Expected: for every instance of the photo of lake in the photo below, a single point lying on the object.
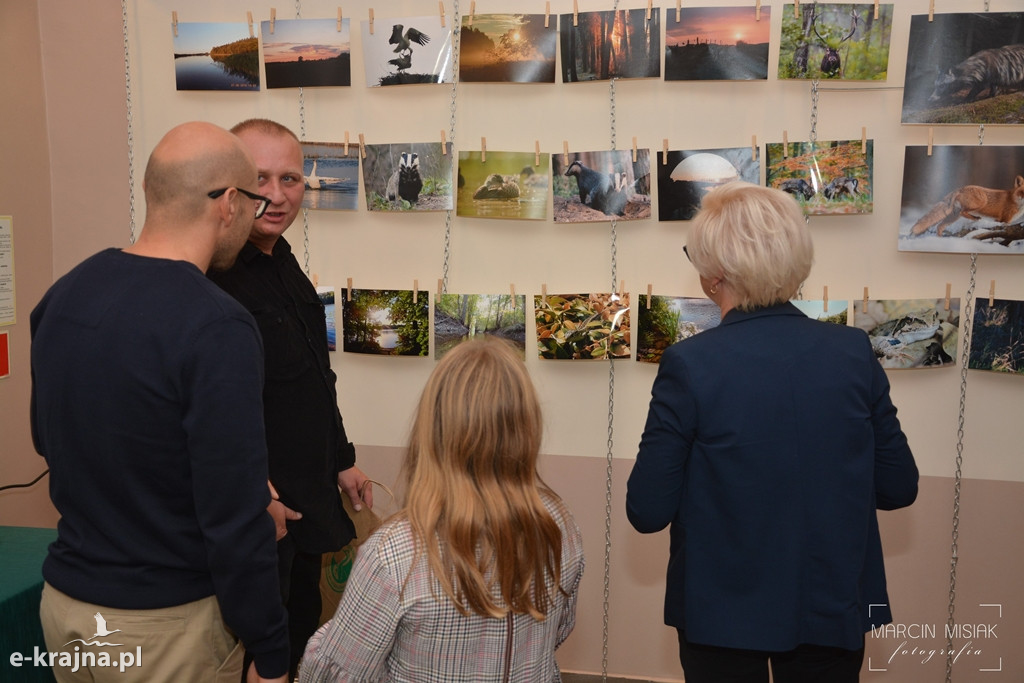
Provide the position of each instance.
(386, 322)
(216, 56)
(332, 178)
(306, 52)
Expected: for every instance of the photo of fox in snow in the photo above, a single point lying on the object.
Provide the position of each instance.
(965, 68)
(963, 199)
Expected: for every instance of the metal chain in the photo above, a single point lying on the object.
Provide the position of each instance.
(131, 135)
(965, 315)
(981, 134)
(456, 42)
(814, 111)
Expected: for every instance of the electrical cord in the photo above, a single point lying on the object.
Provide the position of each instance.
(25, 486)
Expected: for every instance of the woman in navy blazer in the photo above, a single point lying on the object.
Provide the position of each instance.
(770, 443)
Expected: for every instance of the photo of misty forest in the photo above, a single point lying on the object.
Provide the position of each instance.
(614, 44)
(965, 68)
(216, 56)
(386, 322)
(582, 326)
(718, 44)
(828, 178)
(503, 185)
(669, 319)
(997, 336)
(599, 186)
(460, 317)
(963, 199)
(301, 53)
(507, 48)
(911, 333)
(838, 41)
(414, 176)
(407, 50)
(685, 176)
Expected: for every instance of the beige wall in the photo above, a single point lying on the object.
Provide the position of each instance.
(64, 177)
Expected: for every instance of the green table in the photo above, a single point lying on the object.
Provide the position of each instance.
(22, 550)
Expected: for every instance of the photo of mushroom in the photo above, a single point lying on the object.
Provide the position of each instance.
(685, 176)
(582, 326)
(300, 53)
(503, 185)
(911, 333)
(825, 311)
(216, 56)
(460, 317)
(386, 322)
(507, 48)
(965, 68)
(407, 50)
(963, 199)
(664, 320)
(600, 186)
(997, 336)
(600, 46)
(718, 44)
(332, 177)
(835, 41)
(413, 176)
(828, 178)
(326, 295)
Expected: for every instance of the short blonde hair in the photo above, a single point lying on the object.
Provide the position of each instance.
(756, 239)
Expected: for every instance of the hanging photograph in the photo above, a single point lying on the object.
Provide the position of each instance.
(685, 176)
(582, 326)
(507, 48)
(414, 176)
(963, 199)
(668, 319)
(460, 317)
(965, 68)
(503, 185)
(599, 186)
(997, 336)
(717, 44)
(407, 50)
(326, 295)
(332, 177)
(835, 41)
(386, 322)
(216, 56)
(833, 312)
(299, 53)
(829, 178)
(600, 46)
(911, 333)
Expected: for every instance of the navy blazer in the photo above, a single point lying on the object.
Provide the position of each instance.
(770, 442)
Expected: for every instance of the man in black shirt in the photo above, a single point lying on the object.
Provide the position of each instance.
(310, 454)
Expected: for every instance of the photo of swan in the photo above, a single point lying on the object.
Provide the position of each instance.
(332, 177)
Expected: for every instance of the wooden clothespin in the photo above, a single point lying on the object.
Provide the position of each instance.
(650, 291)
(483, 150)
(949, 287)
(174, 23)
(864, 303)
(679, 10)
(371, 21)
(824, 299)
(757, 11)
(575, 13)
(348, 290)
(931, 136)
(544, 293)
(316, 280)
(536, 152)
(339, 19)
(512, 291)
(753, 148)
(992, 294)
(440, 286)
(785, 144)
(876, 10)
(634, 149)
(796, 8)
(440, 7)
(472, 11)
(664, 151)
(273, 19)
(444, 144)
(863, 139)
(931, 10)
(648, 15)
(346, 143)
(415, 291)
(248, 16)
(547, 14)
(565, 151)
(362, 146)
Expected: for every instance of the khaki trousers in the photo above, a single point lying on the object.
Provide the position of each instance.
(182, 643)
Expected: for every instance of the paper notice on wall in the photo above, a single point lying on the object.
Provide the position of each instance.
(7, 315)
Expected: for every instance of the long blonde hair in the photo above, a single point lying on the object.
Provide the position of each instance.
(473, 493)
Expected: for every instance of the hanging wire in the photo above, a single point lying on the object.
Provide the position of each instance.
(814, 111)
(131, 135)
(456, 42)
(981, 134)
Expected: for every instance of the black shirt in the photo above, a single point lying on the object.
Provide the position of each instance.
(306, 438)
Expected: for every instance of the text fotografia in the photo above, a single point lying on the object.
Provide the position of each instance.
(917, 641)
(77, 660)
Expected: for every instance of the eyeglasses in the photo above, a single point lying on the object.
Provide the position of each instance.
(262, 203)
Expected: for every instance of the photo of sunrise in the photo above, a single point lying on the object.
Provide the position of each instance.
(306, 52)
(718, 44)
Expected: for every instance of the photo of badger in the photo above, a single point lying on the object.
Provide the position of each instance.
(965, 68)
(601, 186)
(828, 178)
(412, 176)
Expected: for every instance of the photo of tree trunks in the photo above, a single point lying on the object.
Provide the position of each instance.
(613, 44)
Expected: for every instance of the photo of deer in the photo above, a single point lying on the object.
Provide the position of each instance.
(835, 41)
(965, 68)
